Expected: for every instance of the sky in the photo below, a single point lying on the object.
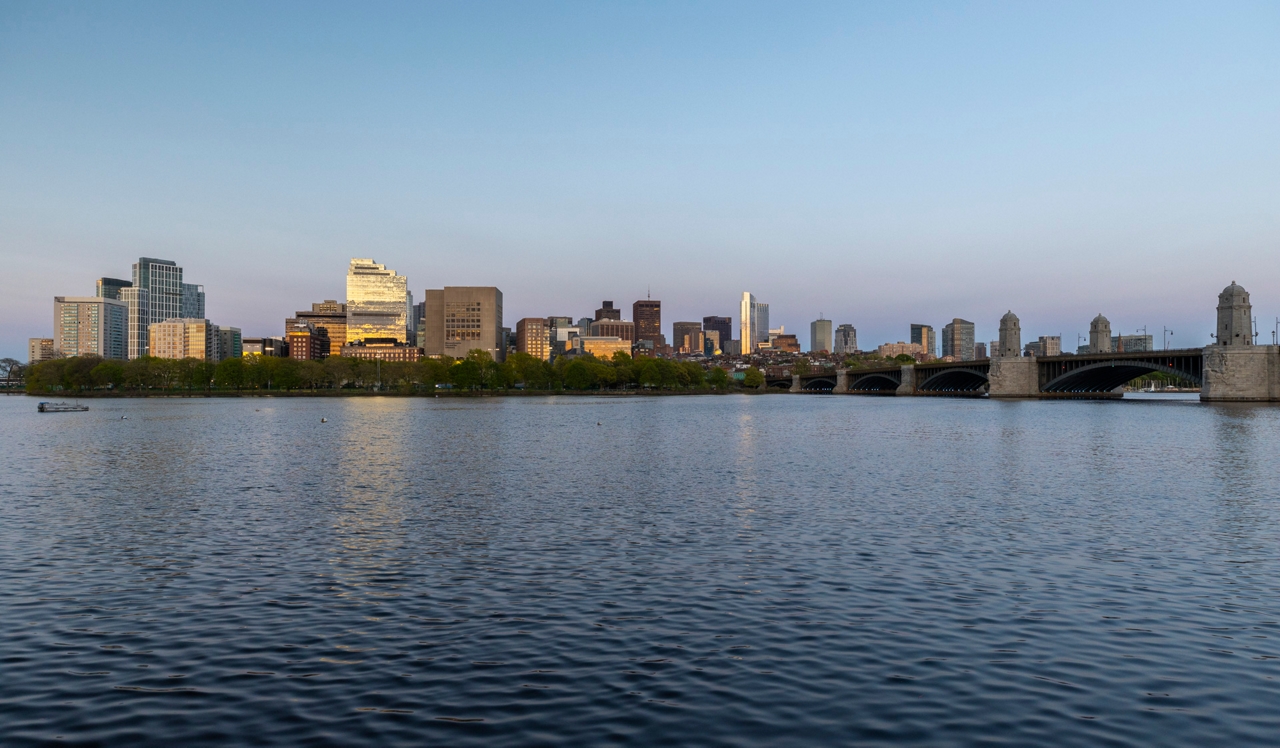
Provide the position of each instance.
(877, 164)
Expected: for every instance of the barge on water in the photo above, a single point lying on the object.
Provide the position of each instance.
(61, 407)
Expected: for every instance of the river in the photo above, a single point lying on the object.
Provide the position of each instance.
(716, 571)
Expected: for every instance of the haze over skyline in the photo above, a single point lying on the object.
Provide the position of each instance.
(878, 165)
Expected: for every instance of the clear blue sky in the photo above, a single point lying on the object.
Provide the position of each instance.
(881, 164)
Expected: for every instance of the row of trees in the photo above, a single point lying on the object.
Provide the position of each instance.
(478, 371)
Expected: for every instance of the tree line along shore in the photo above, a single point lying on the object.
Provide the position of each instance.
(477, 373)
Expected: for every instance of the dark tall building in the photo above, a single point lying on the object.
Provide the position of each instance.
(606, 311)
(647, 314)
(722, 325)
(685, 337)
(110, 288)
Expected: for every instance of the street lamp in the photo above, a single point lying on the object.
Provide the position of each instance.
(1165, 337)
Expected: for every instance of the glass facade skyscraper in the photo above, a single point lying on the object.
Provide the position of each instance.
(162, 280)
(378, 302)
(753, 320)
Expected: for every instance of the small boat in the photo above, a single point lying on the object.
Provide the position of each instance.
(61, 407)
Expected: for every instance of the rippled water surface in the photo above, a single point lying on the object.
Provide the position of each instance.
(736, 570)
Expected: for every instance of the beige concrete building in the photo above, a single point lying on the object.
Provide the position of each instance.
(461, 319)
(184, 338)
(40, 349)
(889, 350)
(90, 326)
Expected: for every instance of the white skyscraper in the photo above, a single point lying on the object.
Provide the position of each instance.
(753, 319)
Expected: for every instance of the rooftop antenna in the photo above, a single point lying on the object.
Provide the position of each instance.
(648, 293)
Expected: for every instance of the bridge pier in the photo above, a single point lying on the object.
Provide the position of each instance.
(908, 386)
(1241, 373)
(795, 383)
(842, 382)
(1014, 377)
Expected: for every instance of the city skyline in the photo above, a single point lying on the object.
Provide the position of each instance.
(928, 162)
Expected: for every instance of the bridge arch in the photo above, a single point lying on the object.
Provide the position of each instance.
(818, 384)
(1105, 376)
(878, 382)
(954, 380)
(780, 384)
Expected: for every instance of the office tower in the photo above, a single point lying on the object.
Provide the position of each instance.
(602, 347)
(926, 338)
(613, 328)
(230, 343)
(820, 336)
(162, 280)
(979, 351)
(109, 288)
(1010, 345)
(1131, 343)
(558, 334)
(753, 321)
(1100, 335)
(846, 340)
(193, 301)
(533, 336)
(1031, 349)
(90, 326)
(416, 320)
(307, 342)
(265, 347)
(723, 326)
(461, 319)
(1050, 345)
(711, 342)
(138, 321)
(957, 340)
(184, 338)
(40, 349)
(607, 311)
(686, 337)
(785, 343)
(647, 315)
(378, 302)
(330, 315)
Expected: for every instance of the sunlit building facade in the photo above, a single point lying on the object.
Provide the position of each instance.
(533, 336)
(753, 321)
(185, 338)
(379, 304)
(328, 314)
(90, 326)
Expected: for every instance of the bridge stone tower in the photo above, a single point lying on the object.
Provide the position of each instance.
(1100, 335)
(1012, 374)
(1234, 368)
(1010, 336)
(1235, 316)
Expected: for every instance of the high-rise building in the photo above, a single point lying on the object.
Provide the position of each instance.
(1235, 317)
(1010, 345)
(647, 315)
(926, 338)
(722, 326)
(686, 337)
(461, 319)
(607, 311)
(193, 301)
(162, 280)
(40, 349)
(785, 343)
(90, 326)
(308, 343)
(613, 328)
(846, 340)
(230, 343)
(1050, 345)
(138, 302)
(330, 315)
(979, 351)
(558, 330)
(957, 340)
(533, 336)
(753, 321)
(184, 338)
(820, 336)
(711, 342)
(109, 288)
(378, 302)
(1100, 335)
